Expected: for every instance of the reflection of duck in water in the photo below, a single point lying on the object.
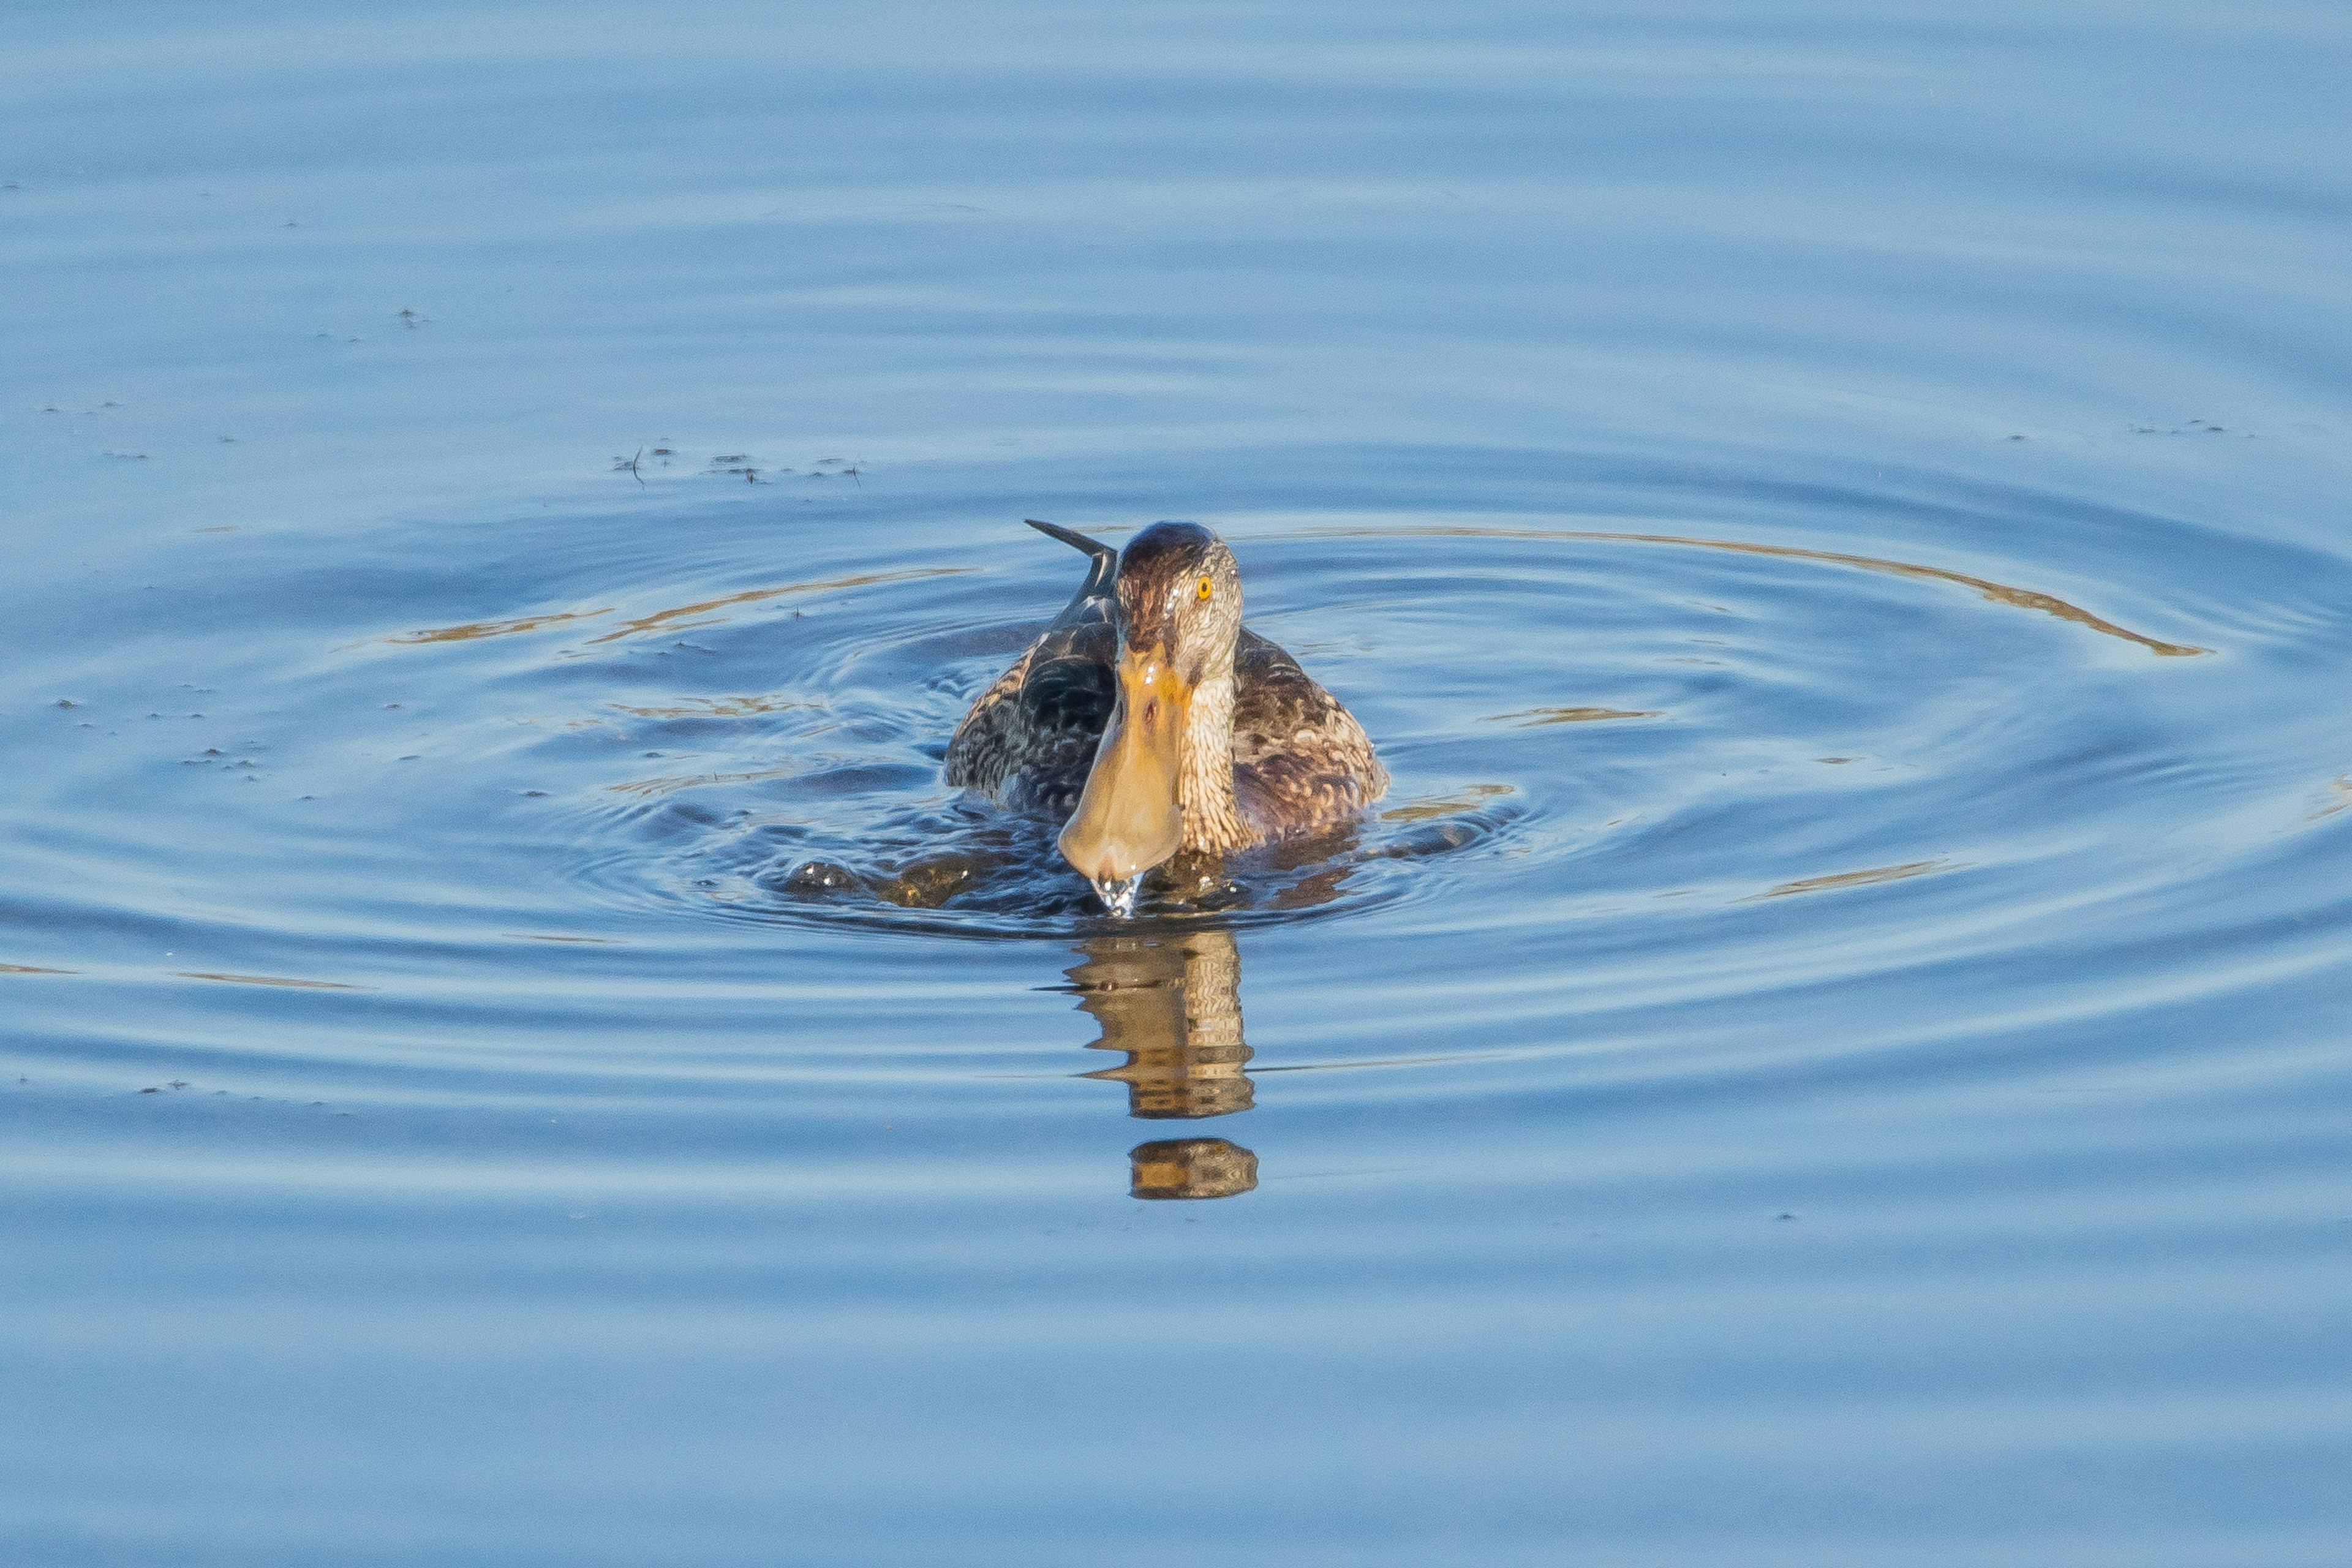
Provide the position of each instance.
(1174, 1006)
(1157, 722)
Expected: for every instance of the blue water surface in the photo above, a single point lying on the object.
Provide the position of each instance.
(1832, 1051)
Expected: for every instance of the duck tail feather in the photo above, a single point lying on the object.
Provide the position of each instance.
(1102, 553)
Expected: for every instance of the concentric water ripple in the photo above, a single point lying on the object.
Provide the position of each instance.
(1645, 727)
(1831, 1052)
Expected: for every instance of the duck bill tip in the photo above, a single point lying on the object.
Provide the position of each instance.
(1128, 817)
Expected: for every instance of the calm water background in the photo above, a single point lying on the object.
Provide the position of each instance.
(1833, 1054)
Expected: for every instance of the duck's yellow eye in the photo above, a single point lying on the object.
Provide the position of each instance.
(1208, 586)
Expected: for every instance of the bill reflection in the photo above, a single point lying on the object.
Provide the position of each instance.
(1172, 1006)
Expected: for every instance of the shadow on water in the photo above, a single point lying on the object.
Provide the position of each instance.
(1171, 1005)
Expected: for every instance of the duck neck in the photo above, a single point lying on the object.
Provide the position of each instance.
(1204, 785)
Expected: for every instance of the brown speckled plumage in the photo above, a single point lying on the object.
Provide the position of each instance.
(1029, 738)
(1267, 753)
(1299, 756)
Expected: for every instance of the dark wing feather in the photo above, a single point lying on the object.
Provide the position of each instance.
(1031, 737)
(1300, 760)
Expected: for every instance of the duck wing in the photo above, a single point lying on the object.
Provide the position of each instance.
(1300, 760)
(1031, 737)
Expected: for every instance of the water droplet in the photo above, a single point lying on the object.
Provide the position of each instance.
(1117, 894)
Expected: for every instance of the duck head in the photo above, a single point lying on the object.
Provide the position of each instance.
(1179, 612)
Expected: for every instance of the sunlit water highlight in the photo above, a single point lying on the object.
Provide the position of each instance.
(1830, 1051)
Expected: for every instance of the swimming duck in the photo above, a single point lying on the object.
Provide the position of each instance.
(1152, 719)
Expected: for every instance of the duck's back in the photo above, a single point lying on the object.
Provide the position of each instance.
(1030, 739)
